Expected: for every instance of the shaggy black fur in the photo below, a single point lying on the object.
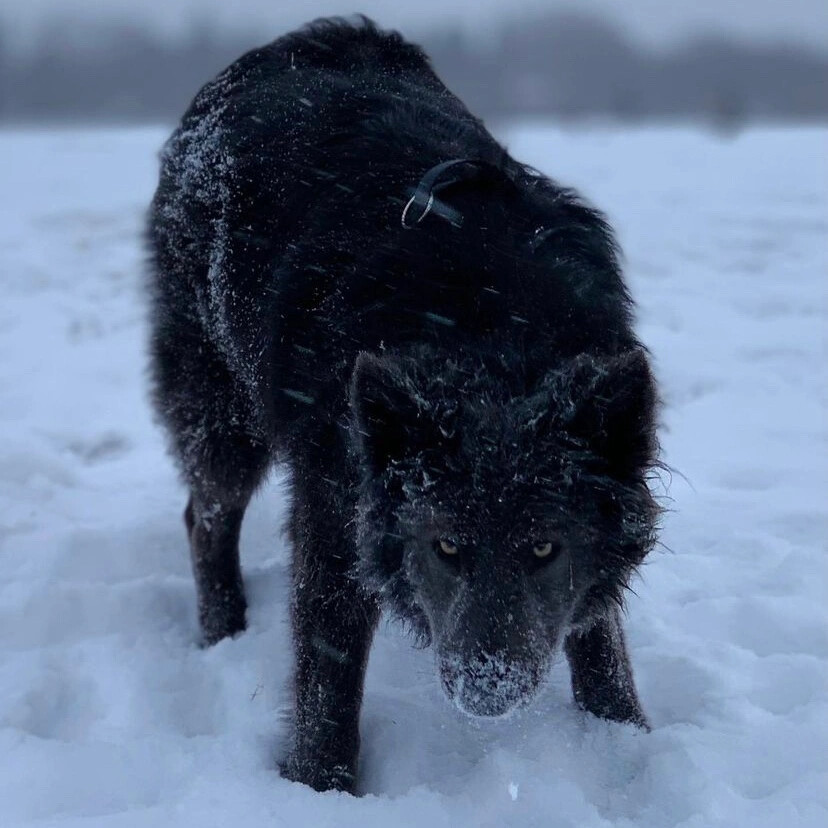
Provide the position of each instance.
(465, 411)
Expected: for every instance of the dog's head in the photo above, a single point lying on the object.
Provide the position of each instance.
(496, 520)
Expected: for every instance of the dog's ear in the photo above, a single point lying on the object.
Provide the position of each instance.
(615, 408)
(390, 419)
(609, 404)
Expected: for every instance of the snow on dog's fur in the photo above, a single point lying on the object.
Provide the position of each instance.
(442, 356)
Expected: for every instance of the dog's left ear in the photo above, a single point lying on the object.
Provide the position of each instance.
(609, 404)
(615, 410)
(390, 419)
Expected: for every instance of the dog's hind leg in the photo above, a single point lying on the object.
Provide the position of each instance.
(213, 518)
(223, 457)
(602, 677)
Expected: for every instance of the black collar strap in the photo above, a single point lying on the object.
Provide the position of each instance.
(424, 197)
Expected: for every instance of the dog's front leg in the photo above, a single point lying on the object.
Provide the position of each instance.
(333, 624)
(602, 677)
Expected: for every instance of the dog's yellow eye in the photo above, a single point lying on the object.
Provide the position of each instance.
(447, 547)
(542, 550)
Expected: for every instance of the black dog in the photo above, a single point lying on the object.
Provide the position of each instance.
(350, 276)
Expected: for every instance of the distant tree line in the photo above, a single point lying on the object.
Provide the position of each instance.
(562, 65)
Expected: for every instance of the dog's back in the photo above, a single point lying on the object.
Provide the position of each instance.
(276, 226)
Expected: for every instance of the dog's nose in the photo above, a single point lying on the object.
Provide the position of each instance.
(491, 685)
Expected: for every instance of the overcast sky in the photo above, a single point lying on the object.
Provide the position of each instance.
(656, 22)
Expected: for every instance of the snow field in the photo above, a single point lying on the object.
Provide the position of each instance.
(110, 715)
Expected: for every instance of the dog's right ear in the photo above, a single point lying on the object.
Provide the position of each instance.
(390, 420)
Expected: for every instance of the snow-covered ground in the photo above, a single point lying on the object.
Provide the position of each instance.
(110, 715)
